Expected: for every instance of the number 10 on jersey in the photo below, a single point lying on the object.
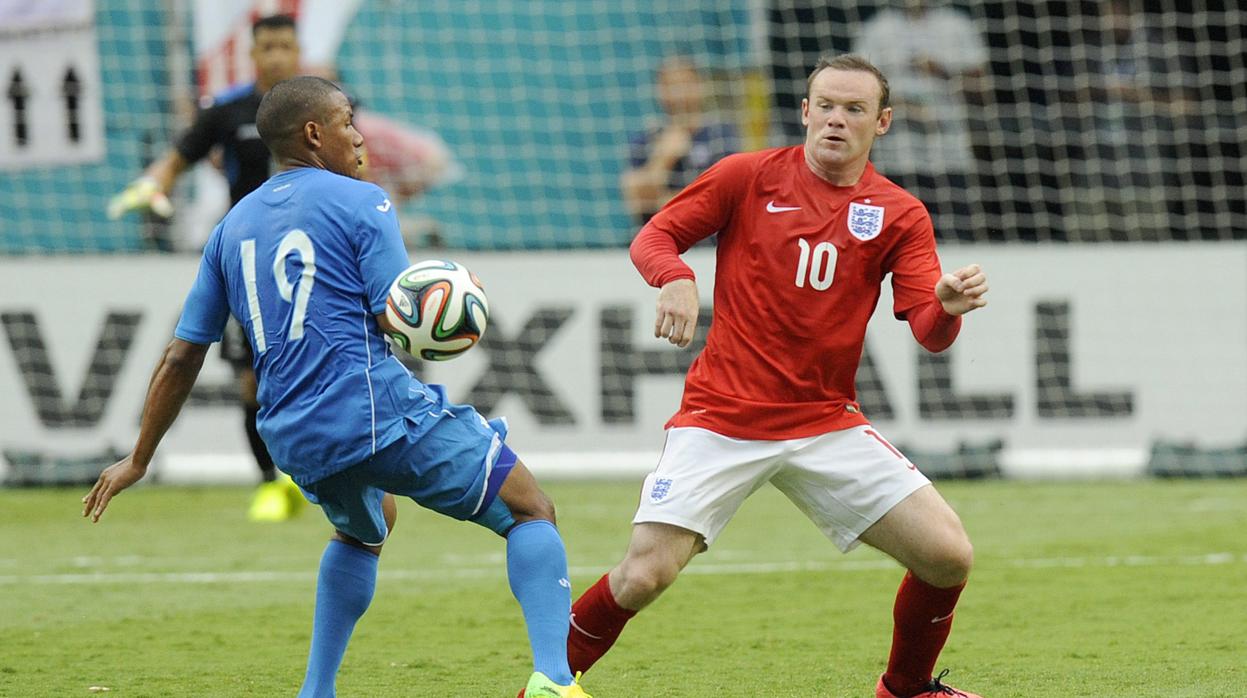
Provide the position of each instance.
(819, 266)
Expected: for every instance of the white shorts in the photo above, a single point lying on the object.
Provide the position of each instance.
(843, 480)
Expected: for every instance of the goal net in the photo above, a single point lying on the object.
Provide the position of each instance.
(1111, 131)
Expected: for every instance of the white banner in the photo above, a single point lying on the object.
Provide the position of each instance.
(1081, 347)
(50, 101)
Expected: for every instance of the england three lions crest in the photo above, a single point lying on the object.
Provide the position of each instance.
(662, 487)
(865, 221)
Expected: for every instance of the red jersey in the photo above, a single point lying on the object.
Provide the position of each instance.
(798, 272)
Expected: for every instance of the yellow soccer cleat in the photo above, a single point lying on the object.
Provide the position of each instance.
(270, 503)
(294, 494)
(140, 195)
(542, 686)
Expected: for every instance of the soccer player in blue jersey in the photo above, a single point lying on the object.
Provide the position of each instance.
(228, 122)
(304, 263)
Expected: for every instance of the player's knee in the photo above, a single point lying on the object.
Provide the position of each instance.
(961, 559)
(647, 577)
(545, 508)
(953, 556)
(951, 565)
(539, 506)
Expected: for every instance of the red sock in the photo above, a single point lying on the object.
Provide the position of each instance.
(597, 620)
(923, 617)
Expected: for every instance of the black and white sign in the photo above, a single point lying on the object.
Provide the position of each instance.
(1091, 350)
(50, 96)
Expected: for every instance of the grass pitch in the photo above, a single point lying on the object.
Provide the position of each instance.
(1104, 589)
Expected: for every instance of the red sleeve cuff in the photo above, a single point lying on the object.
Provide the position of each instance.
(934, 329)
(657, 256)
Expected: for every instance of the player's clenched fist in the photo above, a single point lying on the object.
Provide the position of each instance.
(142, 194)
(677, 312)
(962, 290)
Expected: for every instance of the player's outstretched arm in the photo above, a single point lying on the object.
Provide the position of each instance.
(150, 191)
(678, 306)
(171, 383)
(962, 290)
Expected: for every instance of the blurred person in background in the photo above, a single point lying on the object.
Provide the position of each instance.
(407, 161)
(669, 155)
(935, 60)
(403, 159)
(773, 400)
(1139, 89)
(228, 121)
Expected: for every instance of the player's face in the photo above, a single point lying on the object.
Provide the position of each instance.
(680, 90)
(842, 119)
(275, 53)
(341, 147)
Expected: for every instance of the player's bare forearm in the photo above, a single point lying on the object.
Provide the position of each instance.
(962, 291)
(645, 191)
(166, 170)
(638, 192)
(171, 384)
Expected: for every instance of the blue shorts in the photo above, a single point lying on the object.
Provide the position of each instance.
(454, 467)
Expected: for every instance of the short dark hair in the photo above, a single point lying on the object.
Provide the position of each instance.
(850, 61)
(677, 61)
(272, 22)
(290, 104)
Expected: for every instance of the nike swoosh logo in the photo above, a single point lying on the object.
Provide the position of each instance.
(941, 619)
(772, 208)
(581, 630)
(384, 207)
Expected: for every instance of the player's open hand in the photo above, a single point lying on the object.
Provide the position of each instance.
(114, 479)
(677, 312)
(962, 291)
(140, 195)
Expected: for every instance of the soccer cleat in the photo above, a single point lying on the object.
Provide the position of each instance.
(294, 494)
(272, 501)
(934, 689)
(542, 686)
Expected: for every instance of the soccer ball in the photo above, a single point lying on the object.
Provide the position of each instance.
(438, 309)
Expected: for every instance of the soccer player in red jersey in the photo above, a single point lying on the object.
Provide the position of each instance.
(806, 236)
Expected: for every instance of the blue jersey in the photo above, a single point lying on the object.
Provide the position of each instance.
(305, 263)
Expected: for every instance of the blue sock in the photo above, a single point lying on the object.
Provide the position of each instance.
(348, 576)
(537, 570)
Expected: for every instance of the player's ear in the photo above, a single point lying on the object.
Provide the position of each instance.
(312, 135)
(885, 121)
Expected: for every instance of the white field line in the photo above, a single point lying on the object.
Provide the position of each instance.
(698, 568)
